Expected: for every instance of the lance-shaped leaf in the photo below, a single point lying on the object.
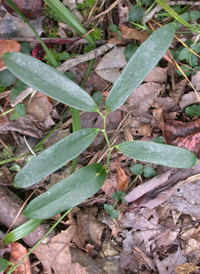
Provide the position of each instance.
(55, 157)
(21, 231)
(68, 193)
(48, 81)
(158, 154)
(140, 65)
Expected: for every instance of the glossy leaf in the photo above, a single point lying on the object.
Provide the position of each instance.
(55, 157)
(21, 231)
(140, 65)
(48, 81)
(4, 264)
(193, 110)
(68, 193)
(158, 154)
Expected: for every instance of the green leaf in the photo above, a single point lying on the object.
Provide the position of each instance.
(149, 172)
(193, 110)
(98, 97)
(159, 140)
(6, 78)
(21, 231)
(112, 212)
(129, 51)
(137, 169)
(55, 157)
(136, 13)
(140, 65)
(184, 53)
(158, 154)
(48, 81)
(113, 27)
(20, 109)
(68, 193)
(119, 196)
(4, 264)
(194, 14)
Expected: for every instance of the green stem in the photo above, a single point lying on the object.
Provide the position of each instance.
(31, 250)
(108, 159)
(76, 120)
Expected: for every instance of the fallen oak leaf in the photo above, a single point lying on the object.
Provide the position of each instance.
(122, 180)
(185, 135)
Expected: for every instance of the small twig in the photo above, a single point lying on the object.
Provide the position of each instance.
(29, 146)
(103, 12)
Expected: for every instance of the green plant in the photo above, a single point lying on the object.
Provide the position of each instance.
(86, 6)
(75, 188)
(6, 152)
(147, 171)
(85, 182)
(115, 29)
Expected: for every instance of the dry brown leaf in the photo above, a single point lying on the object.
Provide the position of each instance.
(188, 99)
(178, 91)
(31, 9)
(136, 101)
(185, 135)
(122, 179)
(130, 33)
(144, 188)
(56, 254)
(17, 254)
(158, 75)
(186, 268)
(196, 81)
(38, 106)
(24, 126)
(7, 46)
(90, 227)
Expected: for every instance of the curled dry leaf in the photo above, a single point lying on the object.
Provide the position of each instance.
(122, 180)
(7, 46)
(31, 9)
(185, 135)
(178, 91)
(16, 255)
(130, 33)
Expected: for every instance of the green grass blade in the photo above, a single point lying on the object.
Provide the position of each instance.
(160, 154)
(55, 157)
(21, 231)
(52, 59)
(68, 193)
(67, 17)
(140, 65)
(176, 16)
